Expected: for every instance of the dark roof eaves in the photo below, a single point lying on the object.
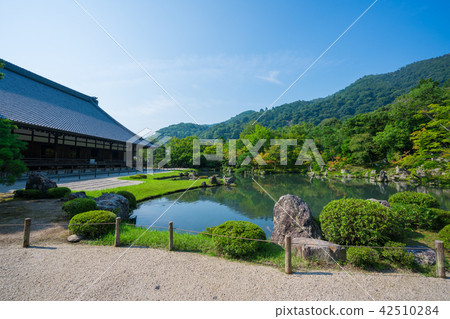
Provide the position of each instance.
(35, 77)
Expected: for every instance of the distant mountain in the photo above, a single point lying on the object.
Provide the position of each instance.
(364, 95)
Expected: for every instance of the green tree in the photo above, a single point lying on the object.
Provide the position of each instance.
(11, 165)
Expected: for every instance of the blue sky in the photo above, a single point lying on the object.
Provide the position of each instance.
(217, 58)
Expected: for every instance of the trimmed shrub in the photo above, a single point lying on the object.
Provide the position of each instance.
(82, 224)
(413, 216)
(358, 222)
(363, 257)
(131, 198)
(420, 199)
(139, 176)
(58, 192)
(78, 206)
(399, 257)
(32, 194)
(18, 193)
(444, 235)
(237, 247)
(442, 218)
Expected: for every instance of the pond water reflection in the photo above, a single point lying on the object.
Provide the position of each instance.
(201, 208)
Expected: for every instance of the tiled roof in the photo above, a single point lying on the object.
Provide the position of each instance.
(26, 97)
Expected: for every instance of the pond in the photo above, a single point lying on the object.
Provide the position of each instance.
(201, 208)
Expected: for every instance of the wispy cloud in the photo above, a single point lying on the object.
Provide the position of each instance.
(271, 77)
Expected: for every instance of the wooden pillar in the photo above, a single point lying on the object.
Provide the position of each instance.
(170, 236)
(26, 233)
(117, 235)
(287, 255)
(440, 259)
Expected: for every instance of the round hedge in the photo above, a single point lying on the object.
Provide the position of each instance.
(78, 206)
(420, 199)
(358, 222)
(399, 257)
(444, 235)
(363, 257)
(414, 216)
(237, 247)
(131, 198)
(32, 194)
(82, 224)
(442, 218)
(58, 192)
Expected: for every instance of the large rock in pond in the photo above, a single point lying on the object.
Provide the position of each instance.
(291, 216)
(114, 203)
(317, 249)
(39, 181)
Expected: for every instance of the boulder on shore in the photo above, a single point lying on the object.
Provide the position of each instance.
(291, 216)
(385, 203)
(317, 249)
(213, 180)
(228, 180)
(77, 195)
(423, 256)
(40, 182)
(114, 203)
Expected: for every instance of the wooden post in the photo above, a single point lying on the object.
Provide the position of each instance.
(440, 259)
(26, 233)
(170, 236)
(117, 235)
(287, 255)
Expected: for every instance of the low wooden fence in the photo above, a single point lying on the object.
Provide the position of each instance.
(439, 245)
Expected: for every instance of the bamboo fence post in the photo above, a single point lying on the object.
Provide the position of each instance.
(26, 232)
(170, 236)
(117, 235)
(287, 255)
(440, 259)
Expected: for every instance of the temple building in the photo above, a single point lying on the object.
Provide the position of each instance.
(64, 129)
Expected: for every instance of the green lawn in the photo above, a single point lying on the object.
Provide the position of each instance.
(270, 254)
(151, 187)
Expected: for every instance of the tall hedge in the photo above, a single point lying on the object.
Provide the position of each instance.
(358, 222)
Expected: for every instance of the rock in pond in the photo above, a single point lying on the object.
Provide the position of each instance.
(114, 203)
(291, 216)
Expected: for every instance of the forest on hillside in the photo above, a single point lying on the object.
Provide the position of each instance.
(413, 131)
(364, 95)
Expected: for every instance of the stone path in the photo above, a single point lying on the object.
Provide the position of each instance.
(97, 184)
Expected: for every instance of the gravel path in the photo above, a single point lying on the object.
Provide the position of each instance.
(64, 272)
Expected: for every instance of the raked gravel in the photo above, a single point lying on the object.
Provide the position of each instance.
(70, 272)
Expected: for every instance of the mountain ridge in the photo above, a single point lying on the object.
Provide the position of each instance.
(366, 94)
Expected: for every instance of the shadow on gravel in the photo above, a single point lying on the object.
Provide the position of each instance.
(314, 273)
(41, 247)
